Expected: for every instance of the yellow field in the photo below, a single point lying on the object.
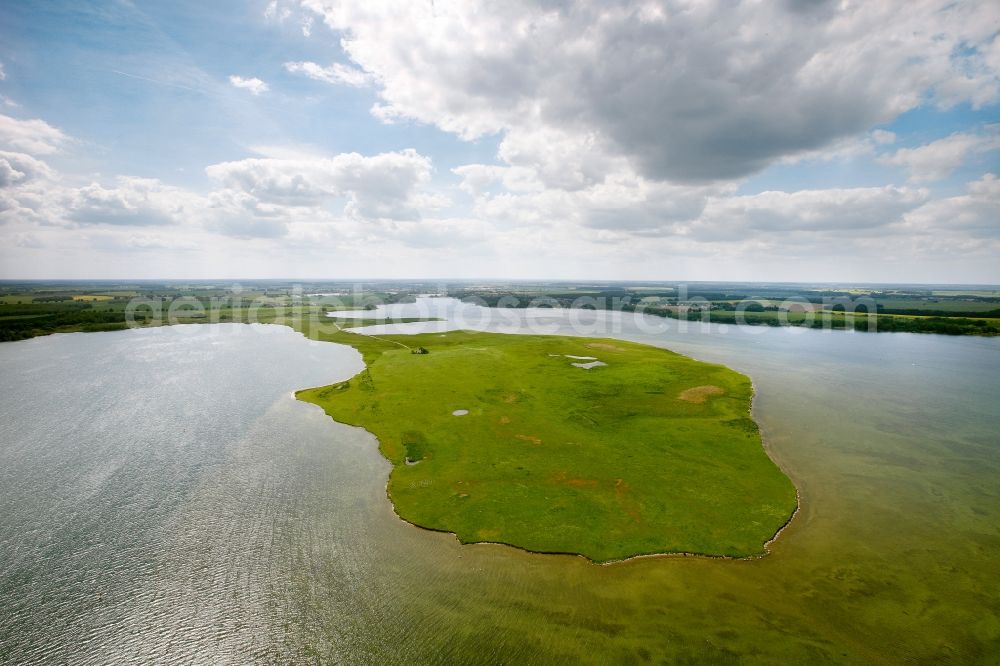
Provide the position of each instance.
(92, 297)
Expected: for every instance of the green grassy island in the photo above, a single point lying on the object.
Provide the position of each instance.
(597, 447)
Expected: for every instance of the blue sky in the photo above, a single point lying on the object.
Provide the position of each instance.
(648, 140)
(149, 84)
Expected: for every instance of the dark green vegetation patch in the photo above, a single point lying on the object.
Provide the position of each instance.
(651, 453)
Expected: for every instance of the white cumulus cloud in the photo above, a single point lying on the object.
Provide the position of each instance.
(977, 212)
(131, 201)
(835, 212)
(18, 169)
(387, 186)
(938, 159)
(254, 85)
(685, 91)
(35, 136)
(336, 73)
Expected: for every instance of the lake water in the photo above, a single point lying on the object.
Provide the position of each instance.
(163, 498)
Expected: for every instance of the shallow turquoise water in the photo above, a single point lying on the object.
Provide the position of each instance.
(164, 499)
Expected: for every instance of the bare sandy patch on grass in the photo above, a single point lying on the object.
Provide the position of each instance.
(604, 345)
(564, 479)
(700, 394)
